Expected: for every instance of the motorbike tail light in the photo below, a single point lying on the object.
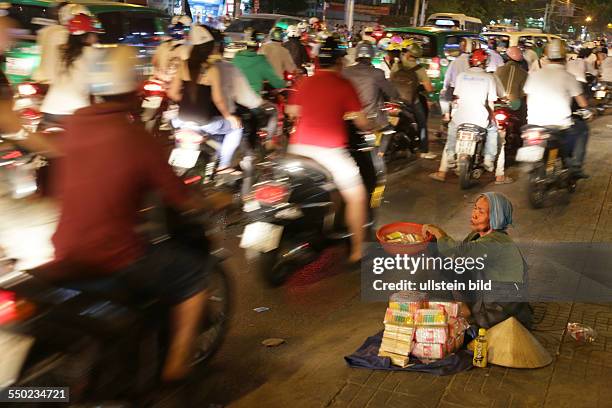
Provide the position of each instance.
(501, 118)
(392, 108)
(433, 71)
(271, 193)
(289, 76)
(30, 114)
(192, 180)
(13, 309)
(15, 154)
(27, 89)
(534, 137)
(153, 88)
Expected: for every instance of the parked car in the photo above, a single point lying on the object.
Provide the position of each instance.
(122, 23)
(440, 47)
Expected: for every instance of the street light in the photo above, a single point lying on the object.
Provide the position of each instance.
(588, 19)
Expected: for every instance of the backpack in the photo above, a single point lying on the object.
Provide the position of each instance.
(407, 82)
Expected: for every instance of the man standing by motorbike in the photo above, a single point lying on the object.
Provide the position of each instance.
(278, 56)
(296, 48)
(408, 76)
(476, 93)
(550, 92)
(371, 84)
(322, 103)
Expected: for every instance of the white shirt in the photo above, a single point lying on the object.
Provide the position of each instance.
(549, 96)
(532, 59)
(605, 70)
(495, 61)
(459, 65)
(49, 39)
(70, 88)
(578, 68)
(279, 57)
(474, 88)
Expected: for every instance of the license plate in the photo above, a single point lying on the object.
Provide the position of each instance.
(600, 94)
(394, 120)
(530, 154)
(261, 236)
(465, 147)
(466, 135)
(185, 158)
(14, 349)
(152, 102)
(19, 66)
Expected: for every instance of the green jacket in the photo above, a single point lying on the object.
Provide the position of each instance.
(257, 69)
(503, 261)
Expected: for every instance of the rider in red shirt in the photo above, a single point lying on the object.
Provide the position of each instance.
(322, 103)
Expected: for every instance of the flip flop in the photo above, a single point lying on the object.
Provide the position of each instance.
(435, 176)
(506, 180)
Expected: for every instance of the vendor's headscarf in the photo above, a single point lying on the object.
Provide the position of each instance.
(500, 211)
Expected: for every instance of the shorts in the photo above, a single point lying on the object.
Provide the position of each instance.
(169, 272)
(337, 160)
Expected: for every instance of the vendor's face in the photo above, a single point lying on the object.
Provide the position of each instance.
(480, 216)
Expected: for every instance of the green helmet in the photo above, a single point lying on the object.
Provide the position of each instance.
(415, 50)
(277, 34)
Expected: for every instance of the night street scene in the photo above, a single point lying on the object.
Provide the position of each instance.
(306, 203)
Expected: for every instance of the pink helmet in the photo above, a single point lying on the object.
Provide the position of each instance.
(514, 53)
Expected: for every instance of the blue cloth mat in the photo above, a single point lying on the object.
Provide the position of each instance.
(367, 357)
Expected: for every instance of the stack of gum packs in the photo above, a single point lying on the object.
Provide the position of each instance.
(439, 330)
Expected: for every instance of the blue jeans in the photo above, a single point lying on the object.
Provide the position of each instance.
(576, 138)
(231, 139)
(490, 148)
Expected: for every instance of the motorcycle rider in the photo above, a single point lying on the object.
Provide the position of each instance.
(69, 90)
(118, 160)
(550, 92)
(296, 48)
(605, 68)
(457, 66)
(322, 102)
(278, 56)
(256, 67)
(476, 92)
(495, 60)
(49, 39)
(408, 76)
(197, 89)
(167, 57)
(371, 84)
(531, 57)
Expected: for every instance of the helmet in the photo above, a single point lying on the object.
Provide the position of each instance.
(406, 43)
(113, 71)
(478, 57)
(384, 43)
(555, 50)
(368, 30)
(365, 50)
(184, 20)
(200, 35)
(293, 31)
(276, 34)
(394, 47)
(415, 50)
(514, 53)
(330, 52)
(528, 43)
(67, 12)
(176, 31)
(313, 20)
(83, 24)
(302, 26)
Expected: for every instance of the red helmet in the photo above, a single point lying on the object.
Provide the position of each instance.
(82, 24)
(478, 57)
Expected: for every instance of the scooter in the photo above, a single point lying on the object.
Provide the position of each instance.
(297, 212)
(509, 128)
(402, 136)
(602, 94)
(93, 337)
(470, 153)
(546, 154)
(157, 109)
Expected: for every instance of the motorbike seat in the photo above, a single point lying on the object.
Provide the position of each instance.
(473, 127)
(310, 164)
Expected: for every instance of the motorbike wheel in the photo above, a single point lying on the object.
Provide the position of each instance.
(275, 268)
(537, 191)
(465, 165)
(216, 319)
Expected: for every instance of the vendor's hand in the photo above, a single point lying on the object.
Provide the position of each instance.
(430, 230)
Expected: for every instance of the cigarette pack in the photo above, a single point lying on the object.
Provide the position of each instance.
(396, 346)
(408, 301)
(430, 351)
(432, 334)
(452, 309)
(434, 317)
(398, 317)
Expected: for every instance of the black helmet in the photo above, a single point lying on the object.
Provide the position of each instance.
(330, 52)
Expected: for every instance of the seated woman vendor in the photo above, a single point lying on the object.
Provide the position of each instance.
(504, 264)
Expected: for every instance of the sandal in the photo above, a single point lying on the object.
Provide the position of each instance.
(506, 180)
(437, 177)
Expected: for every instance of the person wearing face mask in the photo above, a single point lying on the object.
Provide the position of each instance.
(504, 264)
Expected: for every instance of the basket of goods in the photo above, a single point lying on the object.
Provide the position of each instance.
(402, 238)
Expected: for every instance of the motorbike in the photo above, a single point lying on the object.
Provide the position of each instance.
(27, 101)
(157, 109)
(402, 136)
(470, 153)
(602, 94)
(95, 338)
(296, 211)
(545, 153)
(19, 170)
(509, 128)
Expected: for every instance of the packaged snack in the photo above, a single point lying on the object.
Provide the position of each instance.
(456, 326)
(432, 334)
(431, 317)
(408, 301)
(430, 351)
(399, 317)
(399, 332)
(396, 359)
(452, 309)
(396, 346)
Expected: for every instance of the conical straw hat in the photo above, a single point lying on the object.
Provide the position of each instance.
(512, 345)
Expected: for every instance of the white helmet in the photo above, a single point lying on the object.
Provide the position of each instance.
(66, 13)
(200, 35)
(293, 31)
(184, 20)
(313, 20)
(114, 71)
(302, 26)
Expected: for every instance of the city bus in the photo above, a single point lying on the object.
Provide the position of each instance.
(454, 21)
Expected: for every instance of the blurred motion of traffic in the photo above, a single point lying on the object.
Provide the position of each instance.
(189, 191)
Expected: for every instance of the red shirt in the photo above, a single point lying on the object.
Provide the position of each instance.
(324, 99)
(109, 166)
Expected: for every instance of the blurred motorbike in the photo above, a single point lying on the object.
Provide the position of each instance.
(509, 128)
(470, 153)
(157, 109)
(602, 95)
(401, 139)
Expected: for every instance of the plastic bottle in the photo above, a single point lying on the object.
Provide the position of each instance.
(480, 349)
